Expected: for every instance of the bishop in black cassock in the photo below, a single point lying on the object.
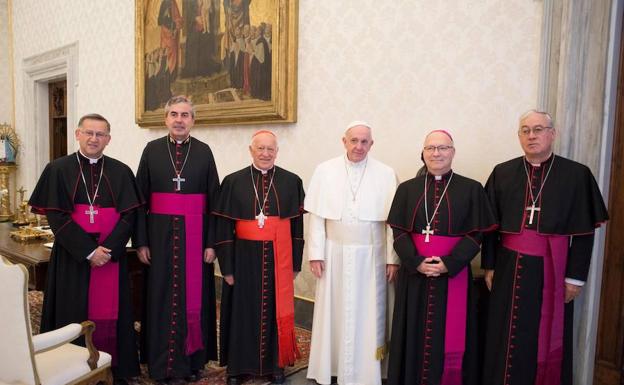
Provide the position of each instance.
(90, 201)
(548, 207)
(259, 245)
(178, 177)
(437, 219)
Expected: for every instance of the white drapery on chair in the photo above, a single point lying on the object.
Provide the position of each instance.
(47, 358)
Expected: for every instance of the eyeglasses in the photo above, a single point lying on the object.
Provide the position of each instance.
(537, 130)
(98, 135)
(442, 149)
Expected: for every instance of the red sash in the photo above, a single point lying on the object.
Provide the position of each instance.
(103, 302)
(193, 208)
(554, 250)
(278, 231)
(456, 306)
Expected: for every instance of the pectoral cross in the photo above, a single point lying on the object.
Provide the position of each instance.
(533, 209)
(91, 213)
(427, 231)
(178, 180)
(261, 217)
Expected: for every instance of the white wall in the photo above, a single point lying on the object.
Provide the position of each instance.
(6, 92)
(405, 66)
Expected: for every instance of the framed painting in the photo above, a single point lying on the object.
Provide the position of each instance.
(236, 59)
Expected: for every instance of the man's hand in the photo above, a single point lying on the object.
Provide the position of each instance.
(209, 255)
(143, 252)
(432, 267)
(229, 279)
(489, 278)
(572, 291)
(100, 257)
(317, 267)
(391, 272)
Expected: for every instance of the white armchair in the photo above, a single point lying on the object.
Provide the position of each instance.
(47, 358)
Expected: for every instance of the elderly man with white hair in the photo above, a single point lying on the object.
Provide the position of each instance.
(350, 253)
(259, 242)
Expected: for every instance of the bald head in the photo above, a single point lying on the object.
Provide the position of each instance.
(438, 152)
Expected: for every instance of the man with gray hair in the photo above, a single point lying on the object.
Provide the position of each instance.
(260, 243)
(351, 255)
(91, 203)
(175, 239)
(548, 208)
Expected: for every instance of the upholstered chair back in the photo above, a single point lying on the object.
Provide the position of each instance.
(16, 350)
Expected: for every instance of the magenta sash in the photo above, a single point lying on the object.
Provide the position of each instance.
(103, 302)
(456, 306)
(554, 250)
(193, 208)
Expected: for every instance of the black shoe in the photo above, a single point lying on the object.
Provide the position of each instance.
(278, 378)
(233, 380)
(193, 377)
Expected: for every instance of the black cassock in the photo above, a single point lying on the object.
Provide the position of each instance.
(67, 288)
(571, 205)
(417, 350)
(164, 331)
(248, 323)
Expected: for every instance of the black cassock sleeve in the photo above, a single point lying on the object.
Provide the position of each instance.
(140, 238)
(406, 250)
(579, 256)
(463, 252)
(224, 244)
(210, 220)
(296, 231)
(118, 238)
(77, 242)
(490, 239)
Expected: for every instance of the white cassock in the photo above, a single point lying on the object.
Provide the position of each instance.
(351, 309)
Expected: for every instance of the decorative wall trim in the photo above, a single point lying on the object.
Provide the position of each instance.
(38, 71)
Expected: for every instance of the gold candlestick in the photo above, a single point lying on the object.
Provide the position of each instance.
(5, 200)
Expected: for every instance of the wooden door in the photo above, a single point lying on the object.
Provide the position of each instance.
(57, 96)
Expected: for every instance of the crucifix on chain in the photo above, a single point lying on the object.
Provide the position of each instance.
(427, 231)
(261, 217)
(91, 212)
(178, 180)
(532, 209)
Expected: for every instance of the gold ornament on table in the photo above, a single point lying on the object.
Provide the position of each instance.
(27, 233)
(22, 216)
(5, 194)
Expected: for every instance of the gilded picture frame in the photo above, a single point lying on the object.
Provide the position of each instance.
(236, 59)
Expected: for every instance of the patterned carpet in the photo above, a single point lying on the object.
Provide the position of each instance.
(212, 374)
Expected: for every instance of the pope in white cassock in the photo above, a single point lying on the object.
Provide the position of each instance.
(350, 252)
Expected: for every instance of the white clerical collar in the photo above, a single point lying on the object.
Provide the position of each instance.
(261, 170)
(355, 164)
(174, 140)
(539, 164)
(91, 160)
